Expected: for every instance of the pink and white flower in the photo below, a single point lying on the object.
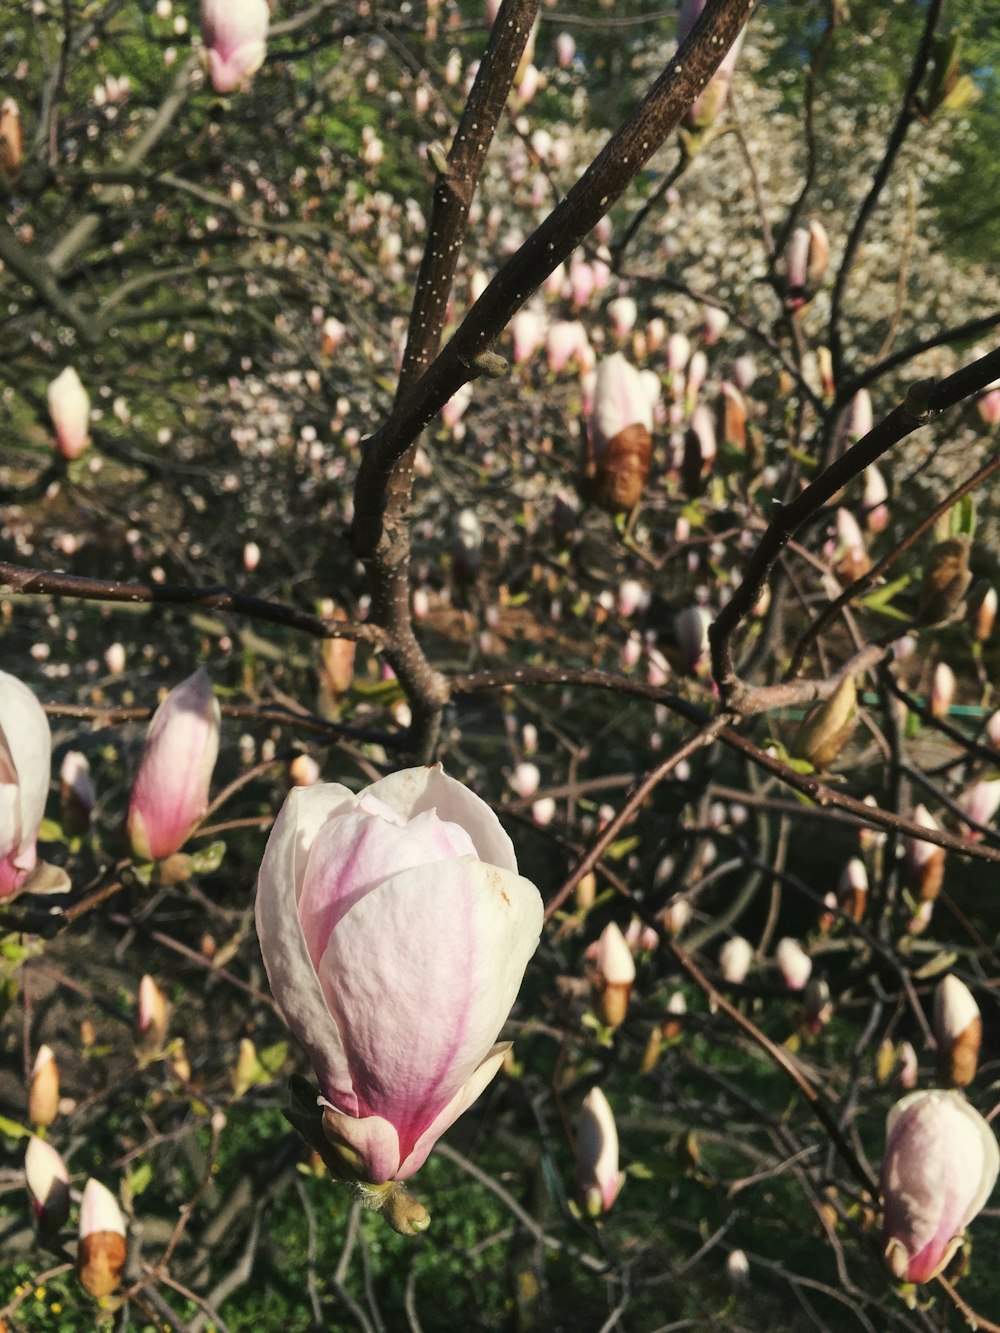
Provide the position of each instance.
(25, 763)
(395, 931)
(170, 792)
(941, 1163)
(598, 1179)
(235, 33)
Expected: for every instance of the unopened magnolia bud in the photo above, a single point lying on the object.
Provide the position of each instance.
(735, 958)
(852, 892)
(677, 1007)
(827, 729)
(336, 657)
(304, 771)
(179, 1062)
(982, 611)
(737, 1270)
(154, 1013)
(597, 1176)
(100, 1257)
(817, 1004)
(43, 1092)
(525, 780)
(958, 1028)
(614, 975)
(885, 1061)
(586, 891)
(676, 915)
(942, 690)
(48, 1184)
(793, 962)
(946, 581)
(405, 1213)
(76, 792)
(925, 860)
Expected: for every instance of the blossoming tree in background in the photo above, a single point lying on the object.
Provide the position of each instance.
(601, 406)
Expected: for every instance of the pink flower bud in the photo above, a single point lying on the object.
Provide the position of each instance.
(69, 408)
(525, 779)
(598, 1179)
(582, 283)
(623, 313)
(528, 331)
(852, 891)
(395, 931)
(676, 915)
(989, 406)
(235, 34)
(170, 792)
(980, 803)
(48, 1184)
(76, 791)
(543, 811)
(114, 658)
(793, 962)
(333, 334)
(712, 100)
(942, 690)
(941, 1163)
(735, 959)
(565, 49)
(251, 557)
(621, 399)
(614, 975)
(958, 1030)
(25, 762)
(714, 323)
(678, 352)
(909, 1066)
(993, 730)
(875, 497)
(565, 340)
(100, 1256)
(691, 627)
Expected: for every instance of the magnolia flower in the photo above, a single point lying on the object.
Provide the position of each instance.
(941, 1163)
(170, 792)
(235, 33)
(69, 408)
(100, 1256)
(25, 761)
(395, 931)
(598, 1179)
(614, 975)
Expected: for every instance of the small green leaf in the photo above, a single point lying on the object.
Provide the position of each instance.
(207, 859)
(12, 1130)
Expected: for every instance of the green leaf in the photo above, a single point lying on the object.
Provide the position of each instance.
(13, 1130)
(207, 859)
(139, 1179)
(273, 1057)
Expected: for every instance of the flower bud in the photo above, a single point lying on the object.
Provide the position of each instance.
(852, 891)
(980, 803)
(525, 780)
(100, 1256)
(983, 611)
(25, 750)
(735, 959)
(154, 1013)
(941, 1163)
(958, 1030)
(909, 1065)
(613, 976)
(676, 915)
(793, 962)
(677, 1007)
(818, 1006)
(597, 1176)
(691, 628)
(586, 892)
(945, 583)
(942, 690)
(76, 792)
(235, 34)
(43, 1091)
(829, 726)
(737, 1269)
(69, 408)
(924, 860)
(48, 1184)
(170, 792)
(304, 771)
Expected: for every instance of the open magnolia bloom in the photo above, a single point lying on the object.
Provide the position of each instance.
(395, 931)
(941, 1163)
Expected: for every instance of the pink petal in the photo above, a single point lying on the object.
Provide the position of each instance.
(355, 852)
(286, 957)
(419, 976)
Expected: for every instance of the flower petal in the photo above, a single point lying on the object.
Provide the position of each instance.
(290, 972)
(419, 977)
(481, 1078)
(413, 790)
(354, 853)
(373, 1139)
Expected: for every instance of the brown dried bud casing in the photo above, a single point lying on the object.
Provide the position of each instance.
(622, 469)
(100, 1260)
(336, 657)
(827, 729)
(959, 1068)
(946, 581)
(612, 1002)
